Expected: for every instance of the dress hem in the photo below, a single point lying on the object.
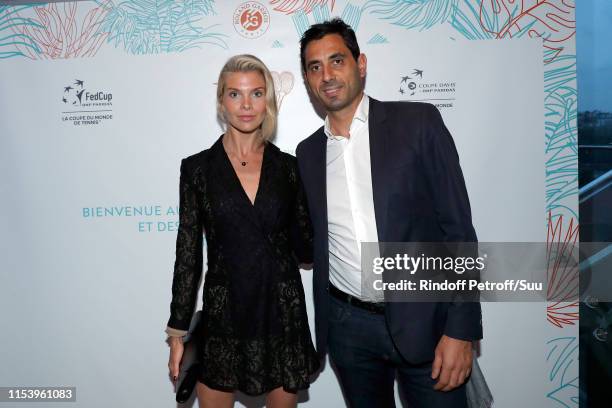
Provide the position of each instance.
(234, 389)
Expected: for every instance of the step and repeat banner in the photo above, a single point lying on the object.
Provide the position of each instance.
(100, 100)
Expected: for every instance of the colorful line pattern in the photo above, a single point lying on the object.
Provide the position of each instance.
(160, 26)
(351, 15)
(378, 39)
(561, 111)
(563, 285)
(554, 22)
(321, 13)
(56, 31)
(305, 6)
(551, 20)
(300, 22)
(562, 360)
(412, 14)
(12, 39)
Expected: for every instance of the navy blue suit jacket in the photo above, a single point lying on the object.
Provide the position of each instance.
(419, 196)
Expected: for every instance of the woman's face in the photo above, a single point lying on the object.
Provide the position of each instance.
(244, 100)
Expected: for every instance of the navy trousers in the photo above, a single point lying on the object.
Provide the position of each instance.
(366, 363)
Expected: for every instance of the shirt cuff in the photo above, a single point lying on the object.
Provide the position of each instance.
(171, 332)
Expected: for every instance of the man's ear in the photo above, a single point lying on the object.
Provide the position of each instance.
(362, 64)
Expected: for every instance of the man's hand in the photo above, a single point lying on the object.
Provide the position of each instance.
(452, 363)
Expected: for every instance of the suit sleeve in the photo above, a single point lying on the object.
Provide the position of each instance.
(453, 211)
(188, 262)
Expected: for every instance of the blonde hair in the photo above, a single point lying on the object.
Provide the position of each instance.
(250, 63)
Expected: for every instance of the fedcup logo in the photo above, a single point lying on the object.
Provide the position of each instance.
(73, 93)
(84, 107)
(251, 19)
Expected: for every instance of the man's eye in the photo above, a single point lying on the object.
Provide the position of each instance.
(314, 68)
(338, 61)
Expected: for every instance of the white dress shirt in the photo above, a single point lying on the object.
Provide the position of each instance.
(350, 202)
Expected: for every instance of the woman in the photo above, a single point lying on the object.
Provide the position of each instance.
(246, 196)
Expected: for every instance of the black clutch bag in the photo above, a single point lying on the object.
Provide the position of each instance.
(190, 365)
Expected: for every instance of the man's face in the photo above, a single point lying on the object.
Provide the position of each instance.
(333, 75)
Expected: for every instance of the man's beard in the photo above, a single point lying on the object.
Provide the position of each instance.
(336, 104)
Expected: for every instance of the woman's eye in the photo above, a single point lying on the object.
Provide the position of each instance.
(258, 94)
(233, 94)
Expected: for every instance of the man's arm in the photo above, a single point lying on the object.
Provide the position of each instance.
(453, 354)
(453, 211)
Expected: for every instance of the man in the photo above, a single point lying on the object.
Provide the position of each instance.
(387, 172)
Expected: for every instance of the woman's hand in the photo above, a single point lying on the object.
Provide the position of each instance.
(176, 355)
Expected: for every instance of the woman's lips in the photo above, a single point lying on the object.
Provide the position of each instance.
(246, 118)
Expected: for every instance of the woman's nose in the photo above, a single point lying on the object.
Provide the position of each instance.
(246, 103)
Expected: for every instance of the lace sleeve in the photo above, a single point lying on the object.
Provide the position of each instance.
(188, 263)
(302, 226)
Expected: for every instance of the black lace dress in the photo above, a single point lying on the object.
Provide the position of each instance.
(254, 334)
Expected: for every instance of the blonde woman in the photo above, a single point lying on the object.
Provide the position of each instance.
(246, 197)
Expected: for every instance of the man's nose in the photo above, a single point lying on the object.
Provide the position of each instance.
(327, 74)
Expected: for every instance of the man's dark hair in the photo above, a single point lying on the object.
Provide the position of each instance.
(334, 26)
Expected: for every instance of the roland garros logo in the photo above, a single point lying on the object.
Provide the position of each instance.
(251, 19)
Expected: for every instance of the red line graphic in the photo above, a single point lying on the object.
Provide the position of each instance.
(552, 20)
(291, 6)
(563, 274)
(60, 35)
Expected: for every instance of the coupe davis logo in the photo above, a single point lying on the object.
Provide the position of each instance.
(413, 87)
(407, 84)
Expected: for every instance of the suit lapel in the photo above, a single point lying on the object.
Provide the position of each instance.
(230, 183)
(319, 181)
(378, 130)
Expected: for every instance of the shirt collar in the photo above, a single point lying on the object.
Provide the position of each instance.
(361, 116)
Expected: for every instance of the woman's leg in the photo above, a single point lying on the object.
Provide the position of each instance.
(279, 398)
(209, 398)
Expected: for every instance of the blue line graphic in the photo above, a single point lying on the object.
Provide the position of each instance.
(562, 359)
(378, 39)
(321, 13)
(153, 27)
(561, 111)
(351, 15)
(10, 39)
(412, 14)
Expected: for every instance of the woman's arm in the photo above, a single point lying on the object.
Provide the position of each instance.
(188, 263)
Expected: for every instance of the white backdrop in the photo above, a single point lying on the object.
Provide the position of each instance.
(89, 208)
